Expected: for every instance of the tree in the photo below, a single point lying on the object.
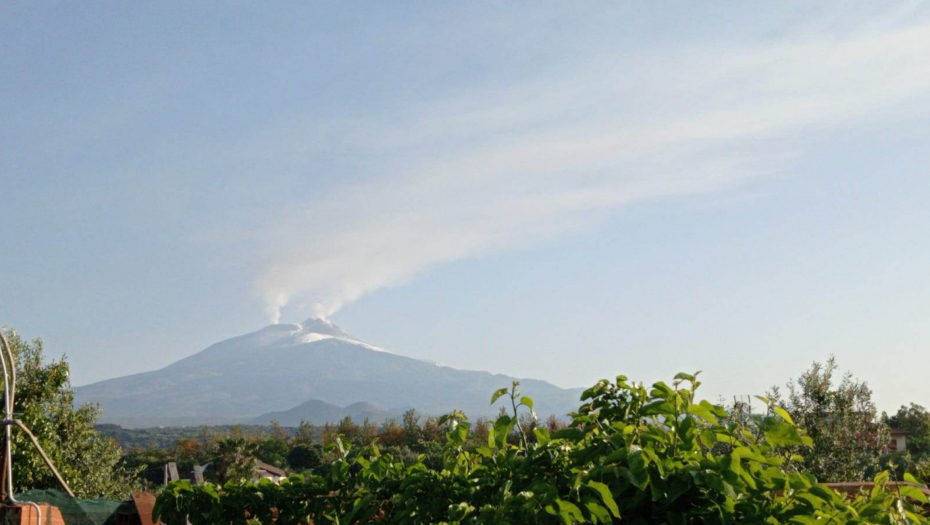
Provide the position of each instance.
(392, 435)
(554, 424)
(916, 421)
(411, 425)
(305, 457)
(306, 433)
(272, 448)
(480, 431)
(349, 430)
(189, 451)
(88, 461)
(848, 440)
(235, 459)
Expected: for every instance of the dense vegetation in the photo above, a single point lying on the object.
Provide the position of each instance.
(166, 438)
(88, 461)
(297, 449)
(631, 454)
(915, 420)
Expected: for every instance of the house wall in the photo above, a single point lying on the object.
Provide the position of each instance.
(898, 443)
(902, 443)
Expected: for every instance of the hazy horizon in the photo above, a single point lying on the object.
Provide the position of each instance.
(551, 191)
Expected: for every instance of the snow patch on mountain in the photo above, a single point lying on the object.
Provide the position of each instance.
(309, 331)
(312, 338)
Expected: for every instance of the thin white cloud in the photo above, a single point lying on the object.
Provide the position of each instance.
(506, 167)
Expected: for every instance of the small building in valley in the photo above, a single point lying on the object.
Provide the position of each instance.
(898, 440)
(265, 471)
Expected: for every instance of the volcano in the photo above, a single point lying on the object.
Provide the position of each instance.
(284, 366)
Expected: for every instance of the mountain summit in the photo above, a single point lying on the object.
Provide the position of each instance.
(283, 366)
(323, 327)
(309, 331)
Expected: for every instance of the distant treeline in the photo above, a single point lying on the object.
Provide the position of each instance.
(165, 438)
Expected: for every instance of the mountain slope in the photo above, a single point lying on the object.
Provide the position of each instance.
(320, 412)
(282, 366)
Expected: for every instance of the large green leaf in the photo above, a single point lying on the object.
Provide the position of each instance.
(497, 394)
(607, 498)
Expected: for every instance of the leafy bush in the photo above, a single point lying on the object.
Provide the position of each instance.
(88, 461)
(631, 455)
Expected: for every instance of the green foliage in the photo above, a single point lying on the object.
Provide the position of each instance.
(88, 461)
(916, 421)
(922, 470)
(273, 448)
(137, 439)
(229, 451)
(235, 459)
(848, 439)
(631, 454)
(897, 463)
(305, 457)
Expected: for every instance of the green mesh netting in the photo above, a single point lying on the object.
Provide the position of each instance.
(75, 511)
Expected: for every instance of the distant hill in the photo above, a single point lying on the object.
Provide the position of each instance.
(320, 412)
(277, 369)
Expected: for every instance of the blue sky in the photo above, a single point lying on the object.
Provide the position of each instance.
(558, 191)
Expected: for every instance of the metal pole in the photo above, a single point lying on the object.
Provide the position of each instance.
(45, 458)
(8, 408)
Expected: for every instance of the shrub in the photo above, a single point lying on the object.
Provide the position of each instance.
(631, 454)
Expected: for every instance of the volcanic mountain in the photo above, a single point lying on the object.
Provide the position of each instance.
(292, 368)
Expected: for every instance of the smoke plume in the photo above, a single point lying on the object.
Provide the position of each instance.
(512, 166)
